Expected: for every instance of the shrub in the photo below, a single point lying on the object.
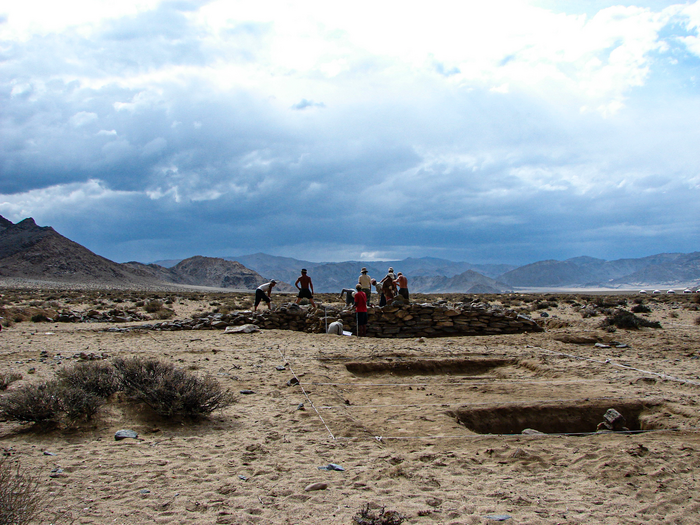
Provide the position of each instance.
(153, 306)
(640, 309)
(9, 378)
(697, 321)
(33, 403)
(170, 391)
(365, 516)
(21, 499)
(78, 404)
(625, 319)
(97, 378)
(39, 318)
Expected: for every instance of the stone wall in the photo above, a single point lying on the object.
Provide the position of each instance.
(412, 320)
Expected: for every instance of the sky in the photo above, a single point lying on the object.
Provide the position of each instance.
(507, 131)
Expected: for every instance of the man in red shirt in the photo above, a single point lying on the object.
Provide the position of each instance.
(361, 310)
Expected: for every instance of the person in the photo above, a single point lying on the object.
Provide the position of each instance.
(263, 293)
(336, 327)
(365, 281)
(380, 291)
(402, 283)
(361, 310)
(388, 287)
(348, 295)
(305, 287)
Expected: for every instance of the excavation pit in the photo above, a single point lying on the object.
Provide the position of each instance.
(571, 417)
(413, 367)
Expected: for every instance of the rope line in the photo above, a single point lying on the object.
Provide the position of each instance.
(620, 365)
(306, 395)
(693, 430)
(483, 403)
(509, 382)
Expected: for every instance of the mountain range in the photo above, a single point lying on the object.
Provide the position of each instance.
(29, 251)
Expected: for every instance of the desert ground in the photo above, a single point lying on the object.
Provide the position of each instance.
(439, 441)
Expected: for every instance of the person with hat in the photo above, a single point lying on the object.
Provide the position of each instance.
(365, 282)
(305, 287)
(336, 327)
(388, 287)
(263, 293)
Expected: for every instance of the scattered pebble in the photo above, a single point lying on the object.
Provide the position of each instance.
(301, 406)
(47, 453)
(498, 517)
(247, 392)
(316, 486)
(332, 466)
(293, 381)
(241, 476)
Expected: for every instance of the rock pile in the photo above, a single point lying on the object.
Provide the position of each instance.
(95, 316)
(396, 320)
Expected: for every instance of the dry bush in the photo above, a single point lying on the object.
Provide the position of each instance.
(164, 313)
(629, 321)
(21, 499)
(640, 309)
(697, 321)
(49, 402)
(6, 379)
(95, 377)
(365, 516)
(77, 404)
(32, 403)
(153, 306)
(170, 391)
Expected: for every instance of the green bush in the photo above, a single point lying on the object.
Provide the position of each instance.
(170, 391)
(21, 499)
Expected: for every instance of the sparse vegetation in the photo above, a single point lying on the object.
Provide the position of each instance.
(640, 309)
(629, 321)
(32, 403)
(170, 391)
(8, 378)
(21, 498)
(381, 516)
(97, 378)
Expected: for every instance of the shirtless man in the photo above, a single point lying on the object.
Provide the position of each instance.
(402, 283)
(305, 287)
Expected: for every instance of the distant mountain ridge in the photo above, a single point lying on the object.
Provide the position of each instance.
(39, 252)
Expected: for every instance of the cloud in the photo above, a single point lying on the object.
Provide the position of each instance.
(503, 130)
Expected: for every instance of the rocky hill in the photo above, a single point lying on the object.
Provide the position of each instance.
(29, 251)
(35, 252)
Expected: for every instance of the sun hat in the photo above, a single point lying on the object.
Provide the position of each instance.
(364, 270)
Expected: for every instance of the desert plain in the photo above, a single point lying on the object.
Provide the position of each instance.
(431, 428)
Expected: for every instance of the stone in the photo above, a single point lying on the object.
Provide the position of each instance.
(316, 486)
(243, 329)
(125, 434)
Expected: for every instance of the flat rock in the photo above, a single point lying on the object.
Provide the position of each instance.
(316, 486)
(243, 329)
(124, 434)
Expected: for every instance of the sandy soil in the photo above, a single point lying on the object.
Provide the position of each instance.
(394, 429)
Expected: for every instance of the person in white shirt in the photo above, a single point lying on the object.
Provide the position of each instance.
(263, 293)
(336, 327)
